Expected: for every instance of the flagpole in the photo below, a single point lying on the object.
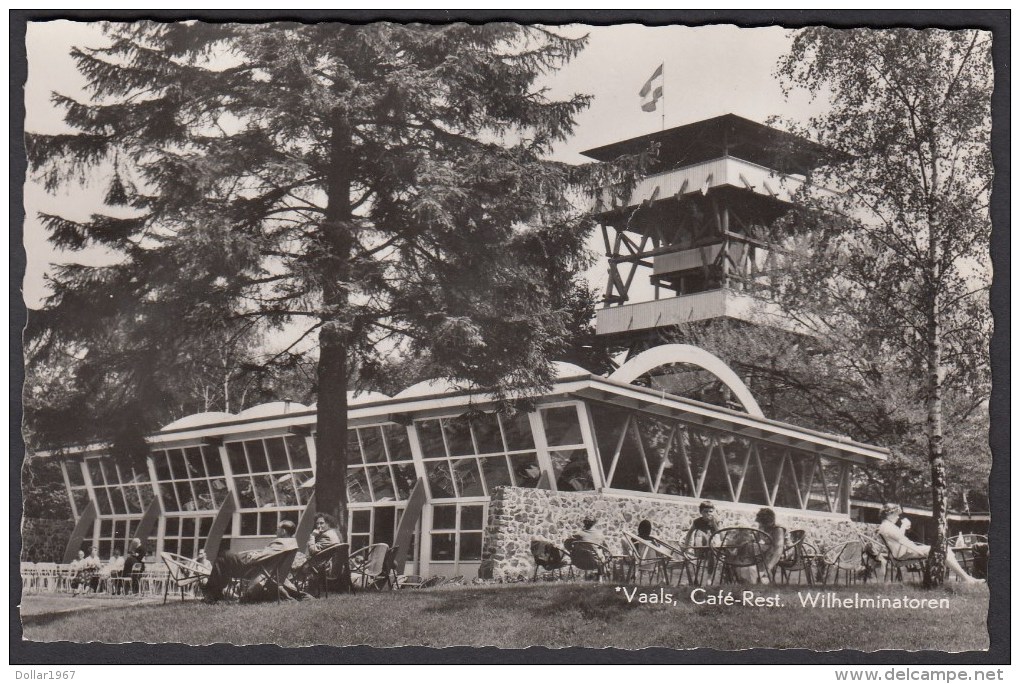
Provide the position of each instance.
(663, 95)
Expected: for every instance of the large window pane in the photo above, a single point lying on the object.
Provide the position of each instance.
(203, 497)
(81, 500)
(470, 546)
(517, 430)
(397, 443)
(178, 466)
(467, 478)
(444, 517)
(471, 517)
(496, 472)
(285, 490)
(298, 448)
(458, 436)
(235, 454)
(381, 483)
(166, 490)
(561, 426)
(196, 468)
(185, 496)
(357, 486)
(571, 470)
(134, 501)
(245, 492)
(117, 499)
(371, 444)
(354, 456)
(277, 454)
(95, 472)
(440, 479)
(526, 470)
(361, 521)
(264, 491)
(487, 435)
(257, 456)
(74, 475)
(444, 546)
(103, 502)
(213, 462)
(405, 478)
(249, 524)
(431, 437)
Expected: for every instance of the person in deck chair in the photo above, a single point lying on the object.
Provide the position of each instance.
(230, 565)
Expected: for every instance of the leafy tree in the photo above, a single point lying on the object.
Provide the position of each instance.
(902, 251)
(351, 189)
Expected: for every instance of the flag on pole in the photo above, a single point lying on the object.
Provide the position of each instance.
(651, 92)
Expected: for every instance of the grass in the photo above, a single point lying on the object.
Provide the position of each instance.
(521, 615)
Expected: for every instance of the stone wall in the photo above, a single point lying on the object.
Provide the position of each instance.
(516, 515)
(44, 541)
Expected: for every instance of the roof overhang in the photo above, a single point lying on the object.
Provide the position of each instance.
(586, 387)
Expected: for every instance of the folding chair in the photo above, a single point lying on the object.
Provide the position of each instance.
(894, 566)
(182, 573)
(269, 571)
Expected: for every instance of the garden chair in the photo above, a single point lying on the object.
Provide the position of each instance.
(327, 565)
(676, 559)
(646, 557)
(433, 581)
(183, 573)
(549, 557)
(269, 572)
(798, 557)
(591, 558)
(367, 563)
(738, 550)
(846, 557)
(894, 566)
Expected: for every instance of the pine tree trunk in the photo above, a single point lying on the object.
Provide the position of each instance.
(335, 344)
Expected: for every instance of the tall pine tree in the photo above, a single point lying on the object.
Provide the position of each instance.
(354, 188)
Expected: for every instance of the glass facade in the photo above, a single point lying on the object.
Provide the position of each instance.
(269, 477)
(645, 453)
(469, 456)
(463, 459)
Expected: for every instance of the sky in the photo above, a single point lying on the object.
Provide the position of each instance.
(708, 71)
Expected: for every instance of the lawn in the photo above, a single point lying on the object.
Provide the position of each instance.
(521, 615)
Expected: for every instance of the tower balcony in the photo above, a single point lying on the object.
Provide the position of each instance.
(720, 303)
(704, 176)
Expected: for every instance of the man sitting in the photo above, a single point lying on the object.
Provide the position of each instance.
(230, 566)
(902, 548)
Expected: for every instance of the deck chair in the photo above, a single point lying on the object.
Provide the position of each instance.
(270, 571)
(846, 557)
(327, 565)
(182, 573)
(738, 549)
(367, 563)
(591, 558)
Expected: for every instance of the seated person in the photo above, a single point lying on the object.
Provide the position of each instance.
(588, 533)
(113, 570)
(902, 548)
(324, 533)
(74, 570)
(87, 576)
(766, 522)
(134, 563)
(644, 531)
(703, 527)
(203, 561)
(230, 566)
